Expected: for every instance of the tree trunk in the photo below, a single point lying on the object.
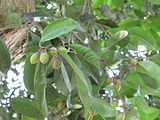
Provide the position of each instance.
(15, 37)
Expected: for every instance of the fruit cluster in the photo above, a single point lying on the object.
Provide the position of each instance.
(50, 56)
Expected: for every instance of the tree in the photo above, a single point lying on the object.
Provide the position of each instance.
(87, 59)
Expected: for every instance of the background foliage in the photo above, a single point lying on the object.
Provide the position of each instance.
(103, 61)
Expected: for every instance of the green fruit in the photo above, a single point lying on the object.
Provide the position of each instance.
(56, 64)
(52, 51)
(13, 19)
(34, 58)
(62, 49)
(44, 57)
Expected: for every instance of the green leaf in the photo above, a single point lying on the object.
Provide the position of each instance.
(116, 38)
(115, 4)
(98, 3)
(138, 4)
(152, 69)
(58, 28)
(29, 71)
(86, 53)
(83, 94)
(5, 60)
(90, 70)
(98, 117)
(53, 97)
(76, 69)
(66, 78)
(23, 117)
(128, 23)
(59, 82)
(134, 81)
(155, 1)
(102, 107)
(138, 36)
(40, 82)
(26, 107)
(132, 115)
(81, 84)
(149, 113)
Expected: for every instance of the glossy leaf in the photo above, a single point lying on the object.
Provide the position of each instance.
(86, 54)
(58, 28)
(29, 71)
(40, 88)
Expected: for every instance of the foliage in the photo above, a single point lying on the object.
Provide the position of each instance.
(96, 63)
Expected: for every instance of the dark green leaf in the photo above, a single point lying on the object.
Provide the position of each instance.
(26, 107)
(58, 28)
(29, 71)
(86, 54)
(82, 85)
(40, 88)
(53, 97)
(5, 60)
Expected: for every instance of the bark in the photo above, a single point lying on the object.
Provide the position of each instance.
(15, 36)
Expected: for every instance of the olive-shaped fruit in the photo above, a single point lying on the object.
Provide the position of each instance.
(44, 57)
(34, 58)
(52, 51)
(62, 49)
(56, 63)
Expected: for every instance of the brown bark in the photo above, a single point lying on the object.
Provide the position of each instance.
(15, 36)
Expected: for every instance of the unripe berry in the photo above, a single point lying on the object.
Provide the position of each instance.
(56, 62)
(52, 51)
(62, 49)
(44, 57)
(34, 58)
